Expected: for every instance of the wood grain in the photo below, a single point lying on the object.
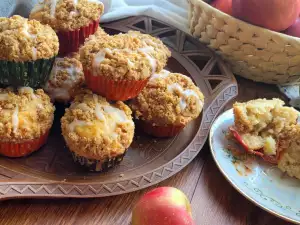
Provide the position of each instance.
(213, 200)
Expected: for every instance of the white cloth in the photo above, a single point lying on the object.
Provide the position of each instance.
(173, 12)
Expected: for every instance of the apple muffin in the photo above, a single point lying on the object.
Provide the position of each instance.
(119, 66)
(66, 79)
(27, 52)
(26, 117)
(167, 104)
(97, 132)
(259, 123)
(73, 20)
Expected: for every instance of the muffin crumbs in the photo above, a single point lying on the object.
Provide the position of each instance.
(26, 40)
(65, 79)
(168, 99)
(96, 129)
(125, 56)
(67, 15)
(25, 114)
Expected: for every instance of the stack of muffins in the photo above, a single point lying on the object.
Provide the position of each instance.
(96, 73)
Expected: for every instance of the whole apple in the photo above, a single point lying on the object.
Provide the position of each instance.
(223, 5)
(294, 30)
(275, 15)
(163, 206)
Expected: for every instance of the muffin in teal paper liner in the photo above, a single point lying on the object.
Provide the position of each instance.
(27, 52)
(97, 132)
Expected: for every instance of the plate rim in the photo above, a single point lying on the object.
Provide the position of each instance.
(234, 185)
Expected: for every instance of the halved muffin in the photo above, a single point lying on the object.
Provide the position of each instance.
(259, 123)
(289, 149)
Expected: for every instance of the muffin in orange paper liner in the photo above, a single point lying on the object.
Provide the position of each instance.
(97, 132)
(26, 117)
(118, 67)
(73, 21)
(167, 104)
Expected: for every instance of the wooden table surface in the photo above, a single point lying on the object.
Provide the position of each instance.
(214, 200)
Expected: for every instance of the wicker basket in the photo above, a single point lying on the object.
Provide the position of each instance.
(252, 52)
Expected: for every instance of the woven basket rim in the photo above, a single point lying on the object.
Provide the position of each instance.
(204, 4)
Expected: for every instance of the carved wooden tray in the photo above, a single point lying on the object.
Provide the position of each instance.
(50, 172)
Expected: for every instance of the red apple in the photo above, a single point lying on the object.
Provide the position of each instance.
(223, 5)
(294, 30)
(275, 15)
(163, 206)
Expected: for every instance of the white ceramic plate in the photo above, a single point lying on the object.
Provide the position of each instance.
(260, 182)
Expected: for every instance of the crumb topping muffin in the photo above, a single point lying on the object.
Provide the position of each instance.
(96, 129)
(260, 122)
(130, 56)
(67, 14)
(65, 79)
(26, 40)
(24, 114)
(289, 144)
(168, 99)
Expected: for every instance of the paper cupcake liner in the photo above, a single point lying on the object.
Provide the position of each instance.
(97, 165)
(160, 131)
(33, 74)
(70, 41)
(114, 90)
(24, 148)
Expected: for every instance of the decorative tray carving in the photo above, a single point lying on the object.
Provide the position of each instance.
(50, 172)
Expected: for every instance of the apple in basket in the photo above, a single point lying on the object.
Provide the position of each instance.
(223, 5)
(294, 30)
(275, 15)
(163, 206)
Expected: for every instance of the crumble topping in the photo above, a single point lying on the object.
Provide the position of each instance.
(26, 40)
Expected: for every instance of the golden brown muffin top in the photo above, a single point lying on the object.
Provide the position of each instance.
(67, 15)
(65, 78)
(130, 56)
(96, 129)
(24, 114)
(26, 40)
(168, 99)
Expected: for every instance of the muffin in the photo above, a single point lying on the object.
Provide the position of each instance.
(26, 117)
(27, 52)
(73, 21)
(97, 133)
(259, 123)
(167, 104)
(289, 149)
(66, 79)
(118, 67)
